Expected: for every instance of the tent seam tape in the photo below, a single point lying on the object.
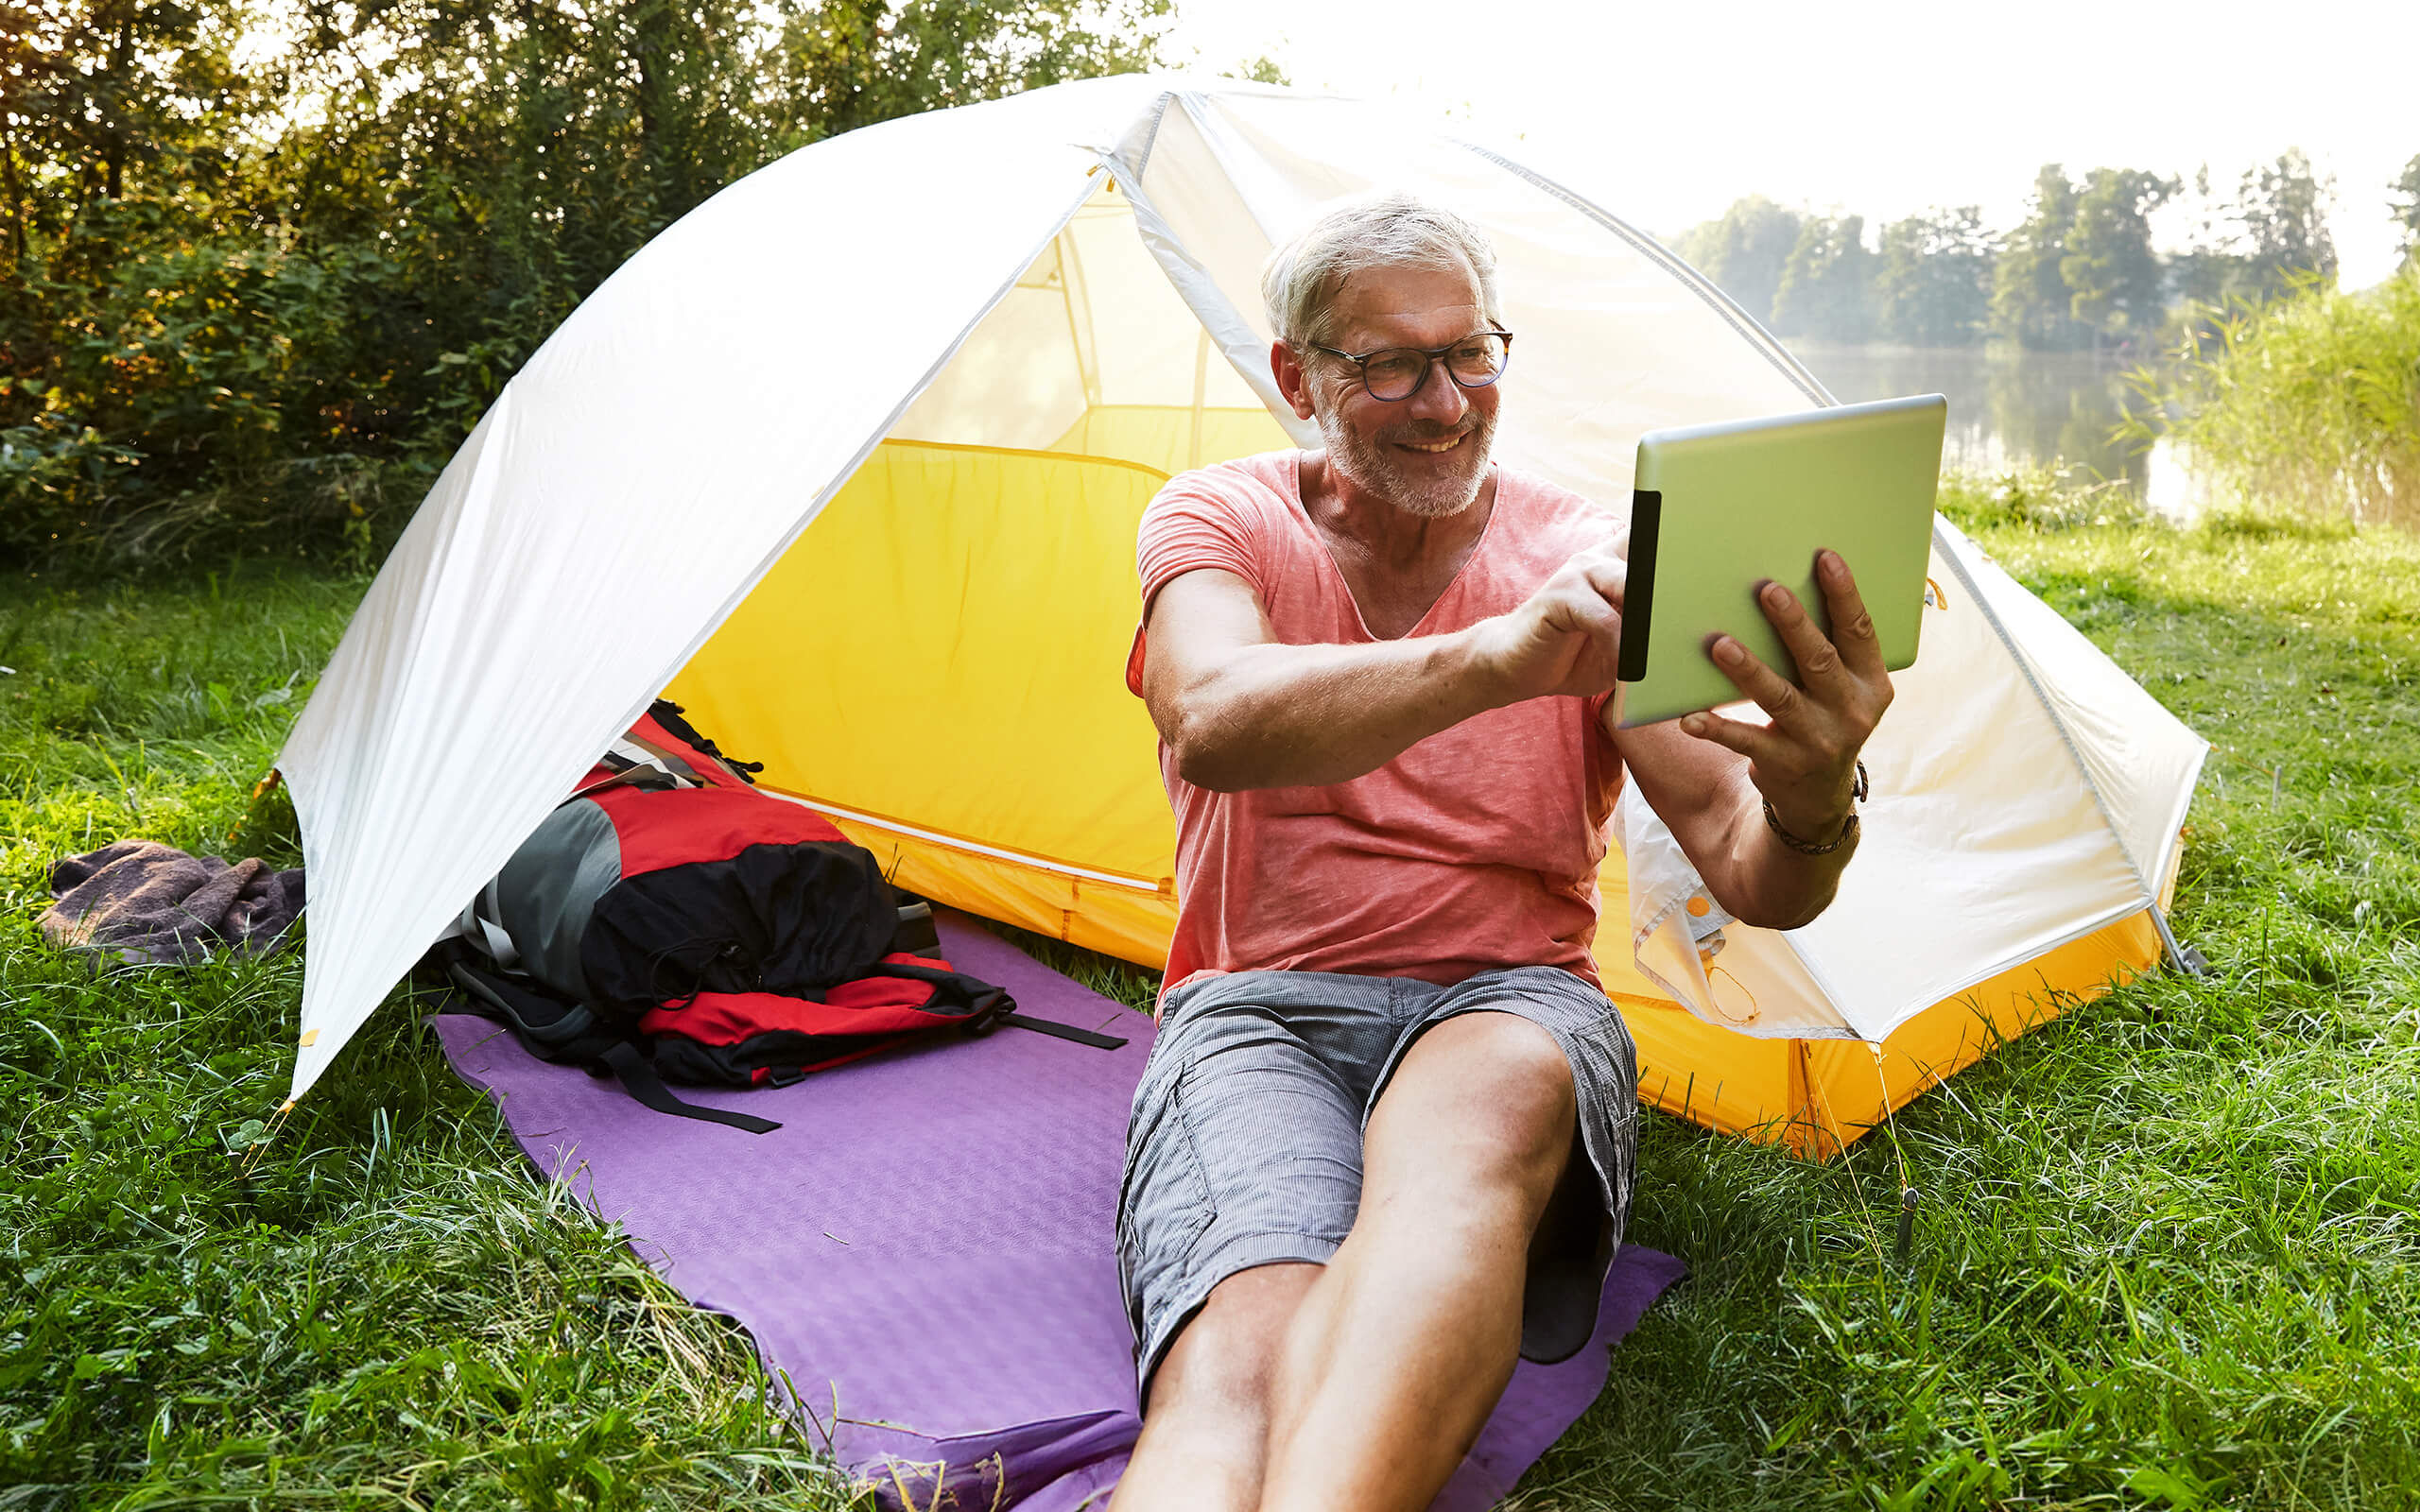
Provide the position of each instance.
(1151, 138)
(2174, 827)
(1822, 984)
(1021, 858)
(1198, 288)
(1999, 627)
(1766, 343)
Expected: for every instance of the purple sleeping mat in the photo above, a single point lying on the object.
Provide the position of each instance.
(924, 1251)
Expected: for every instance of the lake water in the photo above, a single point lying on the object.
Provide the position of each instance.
(2008, 406)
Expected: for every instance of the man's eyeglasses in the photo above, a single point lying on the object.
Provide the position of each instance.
(1395, 373)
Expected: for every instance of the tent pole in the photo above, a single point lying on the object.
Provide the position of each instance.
(2184, 957)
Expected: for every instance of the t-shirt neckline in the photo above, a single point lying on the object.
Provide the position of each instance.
(1302, 512)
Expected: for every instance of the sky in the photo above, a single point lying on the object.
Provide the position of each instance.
(1880, 110)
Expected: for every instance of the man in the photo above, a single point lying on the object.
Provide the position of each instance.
(1384, 1143)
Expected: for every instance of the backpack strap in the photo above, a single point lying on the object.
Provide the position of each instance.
(1052, 1027)
(991, 1006)
(555, 1029)
(639, 1079)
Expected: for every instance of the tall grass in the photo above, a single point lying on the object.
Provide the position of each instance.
(2308, 403)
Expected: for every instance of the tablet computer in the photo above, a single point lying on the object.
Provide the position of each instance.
(1720, 510)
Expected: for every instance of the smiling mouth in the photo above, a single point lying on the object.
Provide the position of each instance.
(1433, 447)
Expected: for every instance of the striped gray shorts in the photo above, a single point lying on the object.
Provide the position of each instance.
(1245, 1145)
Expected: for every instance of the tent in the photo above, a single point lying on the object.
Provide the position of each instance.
(849, 462)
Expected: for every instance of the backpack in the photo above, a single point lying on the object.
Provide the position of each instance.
(669, 923)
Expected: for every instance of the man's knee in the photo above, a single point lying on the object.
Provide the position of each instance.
(1225, 1361)
(1489, 1099)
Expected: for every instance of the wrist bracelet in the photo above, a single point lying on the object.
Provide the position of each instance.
(1848, 826)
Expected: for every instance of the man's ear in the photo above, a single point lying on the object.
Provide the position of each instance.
(1292, 381)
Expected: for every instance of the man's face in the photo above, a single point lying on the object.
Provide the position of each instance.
(1426, 455)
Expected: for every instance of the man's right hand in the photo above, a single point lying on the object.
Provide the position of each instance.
(1567, 638)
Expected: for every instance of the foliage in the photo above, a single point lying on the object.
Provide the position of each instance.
(2037, 496)
(1261, 70)
(2406, 206)
(2269, 239)
(2163, 1255)
(2282, 206)
(2030, 300)
(271, 298)
(1746, 252)
(2308, 402)
(1932, 287)
(1827, 285)
(2114, 279)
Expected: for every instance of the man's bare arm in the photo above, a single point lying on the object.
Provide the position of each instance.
(1708, 778)
(1241, 710)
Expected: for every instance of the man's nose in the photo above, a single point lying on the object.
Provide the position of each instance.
(1439, 398)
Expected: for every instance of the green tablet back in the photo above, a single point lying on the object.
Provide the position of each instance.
(1721, 509)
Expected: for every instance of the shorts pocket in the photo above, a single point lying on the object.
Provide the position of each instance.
(1164, 1201)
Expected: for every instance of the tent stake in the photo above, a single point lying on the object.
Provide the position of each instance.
(2184, 957)
(1907, 1223)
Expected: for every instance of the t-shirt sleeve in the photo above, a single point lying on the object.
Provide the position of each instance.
(1190, 524)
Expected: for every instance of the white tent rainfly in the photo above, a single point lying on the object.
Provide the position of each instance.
(849, 461)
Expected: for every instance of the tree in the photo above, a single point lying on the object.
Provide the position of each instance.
(248, 286)
(1932, 288)
(2030, 301)
(1745, 252)
(1827, 285)
(2407, 209)
(852, 63)
(2210, 272)
(2283, 207)
(2115, 281)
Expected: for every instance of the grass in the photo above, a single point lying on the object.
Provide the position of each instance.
(383, 1308)
(2166, 1256)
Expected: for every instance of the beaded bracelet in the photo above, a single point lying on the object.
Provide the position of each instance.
(1848, 827)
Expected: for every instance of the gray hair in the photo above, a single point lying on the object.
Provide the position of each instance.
(1302, 279)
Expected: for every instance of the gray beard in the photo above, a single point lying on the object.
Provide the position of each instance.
(1373, 468)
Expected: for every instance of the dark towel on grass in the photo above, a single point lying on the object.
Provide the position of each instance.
(152, 904)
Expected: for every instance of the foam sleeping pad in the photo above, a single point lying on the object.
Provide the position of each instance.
(926, 1249)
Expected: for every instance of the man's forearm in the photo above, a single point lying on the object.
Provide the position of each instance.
(1276, 715)
(1761, 880)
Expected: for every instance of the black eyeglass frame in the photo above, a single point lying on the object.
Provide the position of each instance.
(1433, 358)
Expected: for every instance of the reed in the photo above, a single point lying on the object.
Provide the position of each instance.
(2308, 403)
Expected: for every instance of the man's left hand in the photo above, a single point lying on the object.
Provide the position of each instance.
(1805, 762)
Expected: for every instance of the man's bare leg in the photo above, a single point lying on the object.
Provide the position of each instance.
(1401, 1345)
(1206, 1430)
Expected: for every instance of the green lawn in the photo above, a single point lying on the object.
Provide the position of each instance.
(2166, 1256)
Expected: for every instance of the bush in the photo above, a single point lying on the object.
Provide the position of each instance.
(2309, 403)
(2037, 496)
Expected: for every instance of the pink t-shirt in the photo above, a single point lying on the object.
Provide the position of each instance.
(1476, 848)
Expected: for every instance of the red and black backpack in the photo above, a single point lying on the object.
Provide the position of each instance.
(671, 922)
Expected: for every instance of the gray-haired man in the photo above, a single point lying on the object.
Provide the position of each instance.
(1383, 1144)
